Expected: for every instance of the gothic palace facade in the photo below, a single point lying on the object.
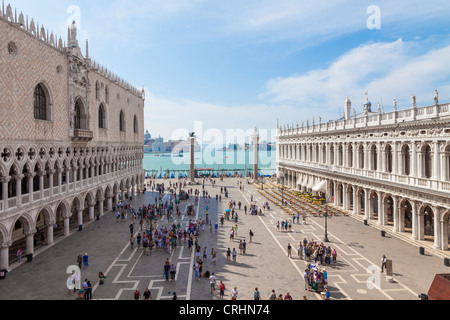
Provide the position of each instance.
(391, 168)
(71, 137)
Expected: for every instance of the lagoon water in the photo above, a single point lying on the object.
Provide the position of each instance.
(215, 160)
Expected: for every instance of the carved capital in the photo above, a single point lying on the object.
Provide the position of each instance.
(5, 179)
(6, 244)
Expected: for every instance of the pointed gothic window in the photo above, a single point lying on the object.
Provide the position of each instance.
(135, 124)
(101, 117)
(40, 103)
(77, 115)
(122, 121)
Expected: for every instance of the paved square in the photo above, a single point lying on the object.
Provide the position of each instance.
(264, 265)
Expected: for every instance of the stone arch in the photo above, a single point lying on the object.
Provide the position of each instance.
(22, 227)
(405, 215)
(5, 235)
(388, 205)
(426, 212)
(426, 160)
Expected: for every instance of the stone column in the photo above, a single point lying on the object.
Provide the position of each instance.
(108, 203)
(366, 157)
(4, 255)
(336, 194)
(366, 204)
(19, 178)
(355, 200)
(336, 154)
(395, 207)
(75, 174)
(413, 165)
(41, 184)
(5, 181)
(420, 225)
(444, 231)
(384, 165)
(30, 243)
(91, 212)
(444, 172)
(50, 182)
(255, 138)
(414, 220)
(381, 211)
(345, 202)
(59, 171)
(192, 162)
(395, 159)
(50, 233)
(436, 162)
(100, 207)
(328, 153)
(80, 175)
(80, 219)
(66, 226)
(379, 157)
(30, 177)
(437, 227)
(355, 156)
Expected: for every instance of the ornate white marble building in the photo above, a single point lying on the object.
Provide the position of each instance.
(390, 167)
(71, 136)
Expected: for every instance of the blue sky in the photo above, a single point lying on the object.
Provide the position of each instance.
(245, 64)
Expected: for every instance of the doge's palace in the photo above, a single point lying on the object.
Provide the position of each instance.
(389, 168)
(71, 136)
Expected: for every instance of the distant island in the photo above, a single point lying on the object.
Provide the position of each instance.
(158, 145)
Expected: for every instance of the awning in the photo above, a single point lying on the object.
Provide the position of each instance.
(321, 186)
(311, 183)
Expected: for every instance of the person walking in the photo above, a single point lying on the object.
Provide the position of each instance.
(256, 294)
(86, 260)
(137, 295)
(250, 234)
(221, 290)
(234, 293)
(80, 260)
(228, 255)
(88, 291)
(334, 255)
(273, 296)
(383, 263)
(212, 282)
(147, 294)
(19, 255)
(173, 271)
(196, 270)
(289, 249)
(132, 241)
(244, 246)
(101, 277)
(234, 253)
(166, 270)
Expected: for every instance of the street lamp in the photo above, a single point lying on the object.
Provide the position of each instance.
(325, 215)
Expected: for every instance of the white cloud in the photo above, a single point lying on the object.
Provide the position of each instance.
(386, 70)
(166, 116)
